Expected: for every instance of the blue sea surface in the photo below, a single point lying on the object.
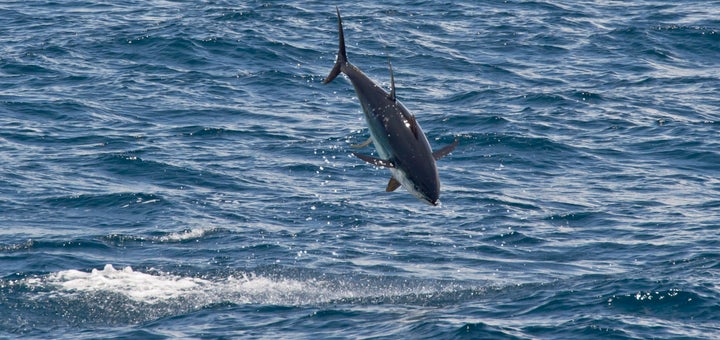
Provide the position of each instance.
(173, 169)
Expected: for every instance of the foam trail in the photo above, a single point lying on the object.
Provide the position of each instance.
(165, 288)
(137, 286)
(168, 288)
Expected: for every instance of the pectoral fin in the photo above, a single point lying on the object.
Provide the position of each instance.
(375, 161)
(444, 151)
(392, 185)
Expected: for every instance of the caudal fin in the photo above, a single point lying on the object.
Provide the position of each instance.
(342, 56)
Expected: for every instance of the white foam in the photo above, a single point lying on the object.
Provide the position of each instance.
(137, 286)
(185, 235)
(158, 287)
(263, 290)
(163, 287)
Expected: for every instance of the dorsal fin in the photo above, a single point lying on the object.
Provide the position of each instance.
(392, 82)
(408, 116)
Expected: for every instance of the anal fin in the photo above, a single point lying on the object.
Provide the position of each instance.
(363, 144)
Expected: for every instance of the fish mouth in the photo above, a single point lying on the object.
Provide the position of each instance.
(434, 202)
(428, 195)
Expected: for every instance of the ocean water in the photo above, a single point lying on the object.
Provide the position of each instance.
(175, 169)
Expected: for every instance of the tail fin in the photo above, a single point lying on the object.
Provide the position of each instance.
(342, 56)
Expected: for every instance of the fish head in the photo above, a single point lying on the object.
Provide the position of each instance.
(428, 191)
(421, 183)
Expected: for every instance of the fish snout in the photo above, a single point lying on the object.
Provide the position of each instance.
(431, 194)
